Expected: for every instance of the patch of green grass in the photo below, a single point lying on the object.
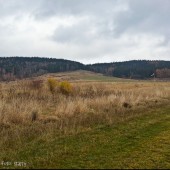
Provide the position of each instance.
(141, 142)
(103, 78)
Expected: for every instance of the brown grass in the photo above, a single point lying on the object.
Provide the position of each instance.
(27, 101)
(30, 112)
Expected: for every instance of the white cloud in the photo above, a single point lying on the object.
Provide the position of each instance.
(87, 31)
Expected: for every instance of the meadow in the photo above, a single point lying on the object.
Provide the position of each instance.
(68, 120)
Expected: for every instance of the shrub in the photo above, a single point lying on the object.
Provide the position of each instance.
(52, 84)
(126, 105)
(66, 88)
(34, 116)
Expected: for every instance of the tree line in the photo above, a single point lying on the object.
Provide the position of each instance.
(135, 69)
(12, 68)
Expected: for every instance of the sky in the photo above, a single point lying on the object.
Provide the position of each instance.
(88, 31)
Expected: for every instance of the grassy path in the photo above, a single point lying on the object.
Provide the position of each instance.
(142, 142)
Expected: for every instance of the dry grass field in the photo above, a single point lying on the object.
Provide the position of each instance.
(40, 110)
(84, 103)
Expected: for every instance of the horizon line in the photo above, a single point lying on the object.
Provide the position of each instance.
(121, 61)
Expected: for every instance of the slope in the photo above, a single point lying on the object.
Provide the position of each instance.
(139, 142)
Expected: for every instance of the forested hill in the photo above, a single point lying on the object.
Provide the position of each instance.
(12, 68)
(23, 67)
(135, 69)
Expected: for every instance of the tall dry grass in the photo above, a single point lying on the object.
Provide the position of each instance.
(88, 104)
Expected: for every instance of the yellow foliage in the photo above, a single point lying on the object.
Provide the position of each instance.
(52, 84)
(66, 88)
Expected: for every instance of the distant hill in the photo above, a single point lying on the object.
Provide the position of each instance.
(23, 67)
(12, 68)
(135, 69)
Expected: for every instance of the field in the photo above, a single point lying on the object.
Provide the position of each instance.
(81, 76)
(91, 121)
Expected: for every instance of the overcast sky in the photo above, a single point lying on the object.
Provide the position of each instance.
(88, 31)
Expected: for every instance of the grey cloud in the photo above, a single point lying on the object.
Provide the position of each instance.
(75, 7)
(142, 16)
(84, 32)
(73, 34)
(145, 16)
(103, 28)
(19, 7)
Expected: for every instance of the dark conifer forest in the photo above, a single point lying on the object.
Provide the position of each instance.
(12, 68)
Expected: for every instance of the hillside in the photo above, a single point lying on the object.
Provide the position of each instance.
(82, 76)
(136, 69)
(59, 124)
(99, 122)
(23, 67)
(12, 68)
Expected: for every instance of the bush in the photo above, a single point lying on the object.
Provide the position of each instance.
(66, 88)
(52, 84)
(34, 116)
(126, 105)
